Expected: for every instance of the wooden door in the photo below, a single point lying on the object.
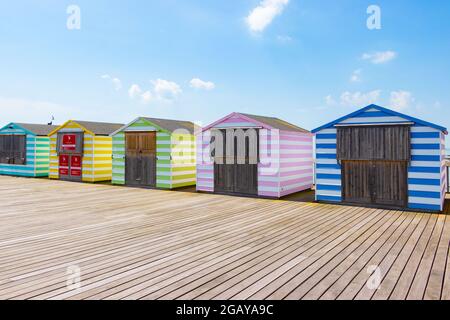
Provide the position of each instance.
(238, 178)
(140, 159)
(375, 182)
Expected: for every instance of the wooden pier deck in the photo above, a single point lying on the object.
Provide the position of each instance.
(148, 244)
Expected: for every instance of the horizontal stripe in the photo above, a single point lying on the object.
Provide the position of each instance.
(420, 200)
(328, 187)
(326, 146)
(328, 166)
(424, 169)
(425, 135)
(336, 182)
(326, 156)
(419, 206)
(329, 176)
(428, 182)
(328, 198)
(426, 158)
(426, 146)
(425, 194)
(326, 136)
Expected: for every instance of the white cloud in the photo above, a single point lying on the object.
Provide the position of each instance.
(380, 57)
(200, 84)
(162, 90)
(356, 76)
(147, 97)
(115, 81)
(134, 91)
(261, 16)
(166, 90)
(401, 100)
(359, 98)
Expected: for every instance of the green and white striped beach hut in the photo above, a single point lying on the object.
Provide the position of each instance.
(25, 149)
(156, 153)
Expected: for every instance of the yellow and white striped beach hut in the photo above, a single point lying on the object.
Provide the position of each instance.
(82, 151)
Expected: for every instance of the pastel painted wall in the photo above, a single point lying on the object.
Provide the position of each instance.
(175, 156)
(97, 157)
(286, 159)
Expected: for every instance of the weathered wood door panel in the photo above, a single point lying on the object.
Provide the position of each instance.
(241, 177)
(375, 182)
(140, 159)
(224, 177)
(392, 143)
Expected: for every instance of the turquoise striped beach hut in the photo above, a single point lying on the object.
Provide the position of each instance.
(25, 149)
(380, 157)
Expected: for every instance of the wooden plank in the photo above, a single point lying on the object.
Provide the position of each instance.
(133, 243)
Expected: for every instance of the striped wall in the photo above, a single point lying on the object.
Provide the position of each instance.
(183, 169)
(97, 157)
(37, 156)
(426, 172)
(296, 162)
(286, 159)
(205, 165)
(175, 153)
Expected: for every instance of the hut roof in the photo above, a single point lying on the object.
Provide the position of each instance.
(37, 129)
(270, 122)
(172, 125)
(386, 112)
(100, 128)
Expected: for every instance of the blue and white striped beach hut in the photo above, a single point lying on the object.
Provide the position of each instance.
(25, 149)
(376, 156)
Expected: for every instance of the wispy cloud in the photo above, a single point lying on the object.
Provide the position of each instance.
(162, 90)
(359, 98)
(262, 16)
(200, 84)
(380, 57)
(166, 90)
(115, 81)
(134, 91)
(356, 76)
(401, 100)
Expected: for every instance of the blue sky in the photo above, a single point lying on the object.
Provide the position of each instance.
(307, 62)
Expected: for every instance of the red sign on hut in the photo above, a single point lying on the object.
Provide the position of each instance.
(69, 142)
(64, 165)
(75, 166)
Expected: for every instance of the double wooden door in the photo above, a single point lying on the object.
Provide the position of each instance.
(140, 159)
(240, 177)
(375, 182)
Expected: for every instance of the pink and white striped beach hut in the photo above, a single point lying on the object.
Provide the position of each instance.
(244, 154)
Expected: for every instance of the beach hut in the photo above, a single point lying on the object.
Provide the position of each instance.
(25, 149)
(252, 155)
(82, 151)
(376, 156)
(157, 153)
